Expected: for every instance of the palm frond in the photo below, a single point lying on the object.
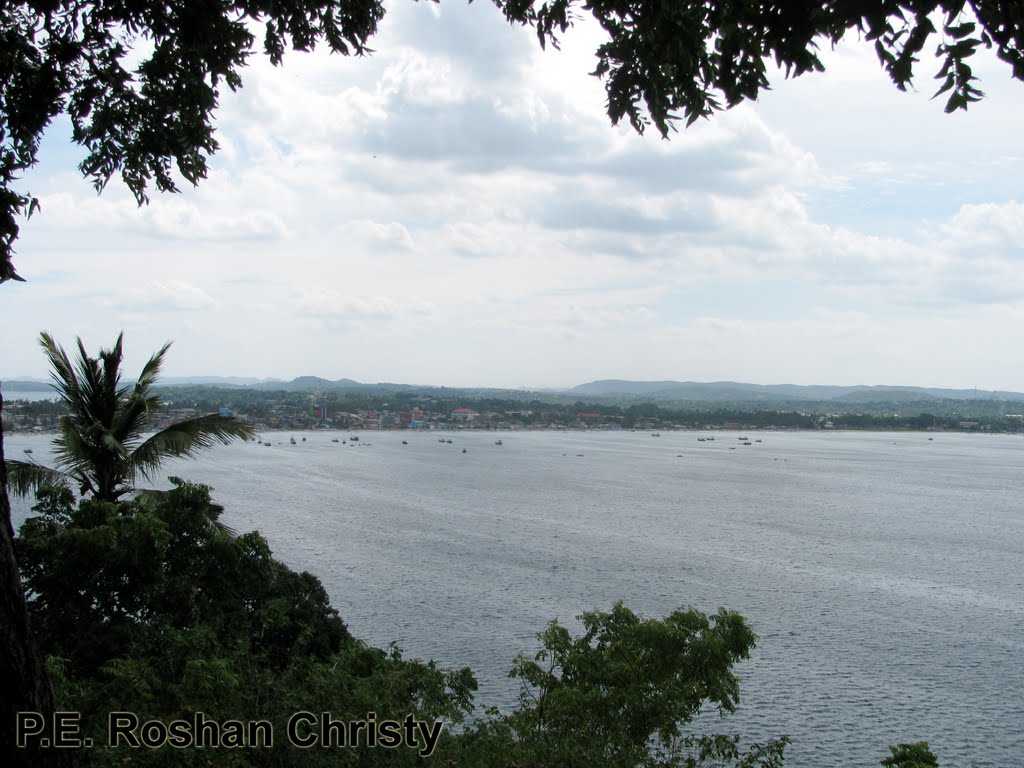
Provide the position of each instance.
(27, 477)
(151, 370)
(62, 373)
(185, 438)
(153, 497)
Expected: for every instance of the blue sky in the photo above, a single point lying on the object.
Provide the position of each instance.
(457, 209)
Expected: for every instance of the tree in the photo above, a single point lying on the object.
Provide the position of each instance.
(22, 672)
(664, 57)
(915, 755)
(619, 694)
(101, 445)
(142, 606)
(661, 58)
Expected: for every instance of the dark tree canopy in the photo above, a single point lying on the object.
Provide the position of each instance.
(141, 119)
(664, 58)
(145, 119)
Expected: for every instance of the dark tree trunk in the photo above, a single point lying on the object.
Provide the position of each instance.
(24, 686)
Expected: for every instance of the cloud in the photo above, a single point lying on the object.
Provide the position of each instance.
(461, 196)
(166, 295)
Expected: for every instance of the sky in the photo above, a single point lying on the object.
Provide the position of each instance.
(457, 209)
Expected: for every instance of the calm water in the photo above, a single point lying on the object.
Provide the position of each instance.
(882, 572)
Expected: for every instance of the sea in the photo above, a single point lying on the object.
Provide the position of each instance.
(882, 572)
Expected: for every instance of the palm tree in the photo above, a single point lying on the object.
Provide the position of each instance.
(102, 444)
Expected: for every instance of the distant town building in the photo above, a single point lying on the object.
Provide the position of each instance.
(464, 414)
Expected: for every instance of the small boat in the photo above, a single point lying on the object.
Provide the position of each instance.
(655, 434)
(748, 443)
(354, 438)
(441, 440)
(334, 440)
(303, 439)
(498, 442)
(448, 441)
(28, 450)
(463, 450)
(757, 441)
(701, 439)
(742, 438)
(293, 441)
(405, 442)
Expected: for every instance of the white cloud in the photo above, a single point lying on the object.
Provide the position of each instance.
(460, 196)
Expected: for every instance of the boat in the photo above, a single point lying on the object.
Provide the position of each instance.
(498, 442)
(748, 443)
(701, 439)
(405, 442)
(655, 434)
(742, 438)
(293, 441)
(303, 439)
(334, 440)
(758, 440)
(463, 450)
(354, 438)
(448, 441)
(28, 450)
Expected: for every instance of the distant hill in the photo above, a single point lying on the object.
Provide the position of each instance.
(732, 391)
(709, 392)
(26, 385)
(216, 381)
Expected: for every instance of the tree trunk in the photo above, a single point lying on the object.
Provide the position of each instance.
(23, 679)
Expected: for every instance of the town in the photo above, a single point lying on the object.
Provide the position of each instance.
(439, 409)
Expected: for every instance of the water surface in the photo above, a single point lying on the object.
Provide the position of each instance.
(881, 571)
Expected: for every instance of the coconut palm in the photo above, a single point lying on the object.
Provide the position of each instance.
(102, 444)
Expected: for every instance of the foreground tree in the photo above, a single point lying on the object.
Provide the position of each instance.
(916, 755)
(101, 445)
(621, 694)
(144, 120)
(22, 672)
(142, 606)
(666, 57)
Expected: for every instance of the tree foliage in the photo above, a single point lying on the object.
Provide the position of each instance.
(102, 444)
(142, 606)
(916, 755)
(140, 81)
(622, 693)
(143, 119)
(692, 57)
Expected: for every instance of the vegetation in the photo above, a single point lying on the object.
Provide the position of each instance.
(664, 57)
(146, 109)
(622, 692)
(101, 445)
(144, 607)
